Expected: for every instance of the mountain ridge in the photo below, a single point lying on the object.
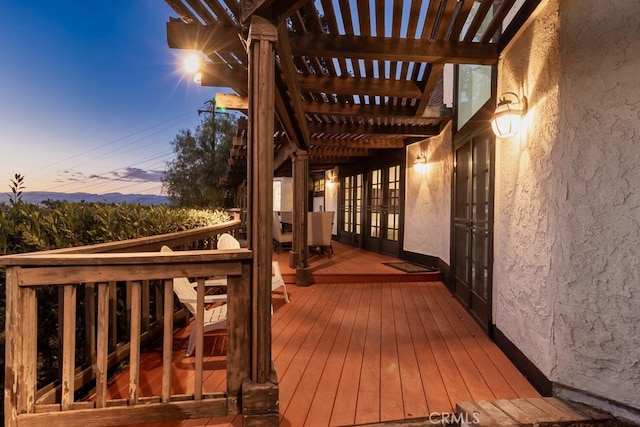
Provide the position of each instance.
(40, 196)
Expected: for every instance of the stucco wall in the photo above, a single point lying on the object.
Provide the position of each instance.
(567, 217)
(598, 178)
(524, 223)
(428, 198)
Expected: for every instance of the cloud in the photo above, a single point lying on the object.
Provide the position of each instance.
(129, 174)
(137, 174)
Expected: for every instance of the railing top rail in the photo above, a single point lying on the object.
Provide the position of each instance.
(143, 243)
(104, 259)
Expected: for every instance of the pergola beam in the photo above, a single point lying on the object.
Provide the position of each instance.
(206, 38)
(373, 129)
(393, 49)
(289, 72)
(332, 152)
(220, 75)
(358, 143)
(368, 110)
(358, 86)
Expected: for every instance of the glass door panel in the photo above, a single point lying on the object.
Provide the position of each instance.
(472, 231)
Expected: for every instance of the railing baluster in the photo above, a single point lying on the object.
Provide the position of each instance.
(199, 324)
(103, 344)
(134, 340)
(167, 340)
(68, 346)
(90, 322)
(27, 391)
(145, 306)
(113, 315)
(159, 292)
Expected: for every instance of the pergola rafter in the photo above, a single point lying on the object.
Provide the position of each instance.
(339, 72)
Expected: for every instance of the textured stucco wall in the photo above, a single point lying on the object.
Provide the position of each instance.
(567, 218)
(597, 169)
(524, 224)
(428, 198)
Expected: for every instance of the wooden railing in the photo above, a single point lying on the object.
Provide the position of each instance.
(97, 272)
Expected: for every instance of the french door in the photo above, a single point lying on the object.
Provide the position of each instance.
(473, 224)
(383, 210)
(370, 209)
(351, 209)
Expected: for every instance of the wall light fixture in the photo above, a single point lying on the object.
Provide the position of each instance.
(508, 115)
(420, 164)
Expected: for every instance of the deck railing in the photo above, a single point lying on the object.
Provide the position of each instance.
(97, 272)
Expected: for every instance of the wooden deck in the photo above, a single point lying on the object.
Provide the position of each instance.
(355, 353)
(349, 264)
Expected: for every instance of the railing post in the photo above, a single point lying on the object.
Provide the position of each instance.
(20, 349)
(263, 36)
(238, 334)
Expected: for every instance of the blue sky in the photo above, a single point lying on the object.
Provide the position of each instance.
(90, 95)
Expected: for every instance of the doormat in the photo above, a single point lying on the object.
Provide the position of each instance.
(409, 267)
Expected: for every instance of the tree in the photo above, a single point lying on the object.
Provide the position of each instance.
(191, 179)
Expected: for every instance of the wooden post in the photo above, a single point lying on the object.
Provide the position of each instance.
(261, 44)
(238, 333)
(20, 350)
(167, 340)
(263, 36)
(102, 345)
(135, 299)
(300, 253)
(68, 347)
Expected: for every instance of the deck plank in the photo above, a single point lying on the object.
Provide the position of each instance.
(413, 395)
(516, 380)
(368, 404)
(322, 406)
(294, 358)
(296, 411)
(391, 399)
(433, 386)
(345, 404)
(472, 377)
(452, 378)
(499, 386)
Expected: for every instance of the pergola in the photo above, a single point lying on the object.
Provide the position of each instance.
(324, 83)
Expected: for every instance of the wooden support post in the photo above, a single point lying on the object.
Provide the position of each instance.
(239, 333)
(261, 52)
(300, 254)
(260, 403)
(261, 45)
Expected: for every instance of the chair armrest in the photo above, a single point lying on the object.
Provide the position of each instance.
(208, 299)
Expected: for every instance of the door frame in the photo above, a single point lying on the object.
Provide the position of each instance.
(479, 123)
(391, 158)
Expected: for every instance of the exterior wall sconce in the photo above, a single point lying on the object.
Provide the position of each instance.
(420, 164)
(508, 115)
(331, 179)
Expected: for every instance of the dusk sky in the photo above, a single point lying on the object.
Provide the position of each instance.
(91, 95)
